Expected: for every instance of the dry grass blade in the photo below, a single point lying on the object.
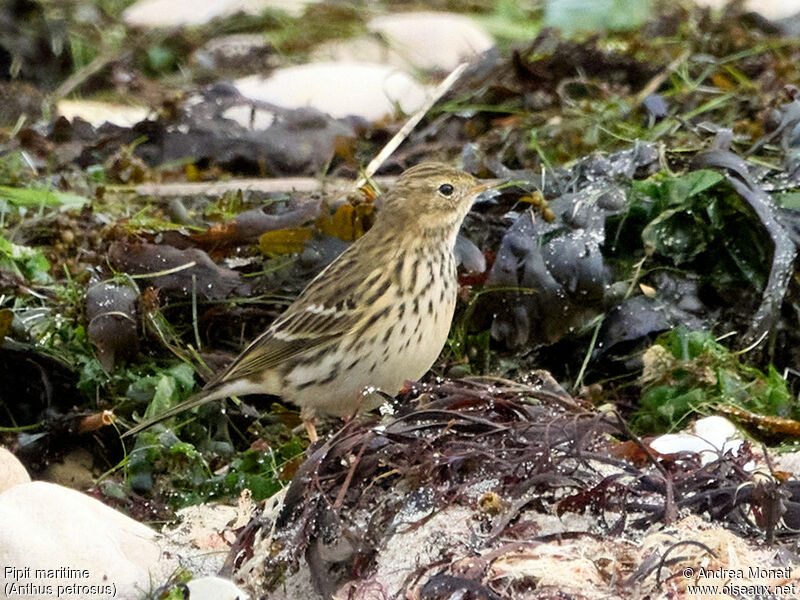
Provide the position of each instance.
(409, 126)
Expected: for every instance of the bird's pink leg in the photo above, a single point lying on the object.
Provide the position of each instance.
(307, 415)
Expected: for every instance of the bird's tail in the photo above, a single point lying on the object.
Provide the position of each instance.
(203, 397)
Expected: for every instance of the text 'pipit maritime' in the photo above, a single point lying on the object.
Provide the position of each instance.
(375, 317)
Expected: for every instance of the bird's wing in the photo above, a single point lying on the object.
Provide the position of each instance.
(302, 329)
(331, 306)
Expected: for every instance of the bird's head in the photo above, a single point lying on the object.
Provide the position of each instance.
(431, 195)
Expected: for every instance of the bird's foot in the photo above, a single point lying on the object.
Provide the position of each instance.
(308, 416)
(311, 430)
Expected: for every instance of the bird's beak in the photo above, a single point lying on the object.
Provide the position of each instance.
(479, 189)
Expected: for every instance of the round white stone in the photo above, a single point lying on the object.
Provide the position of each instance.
(12, 472)
(46, 526)
(432, 40)
(371, 91)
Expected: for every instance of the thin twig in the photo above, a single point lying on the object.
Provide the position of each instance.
(335, 187)
(638, 270)
(195, 325)
(655, 83)
(409, 126)
(86, 71)
(589, 350)
(169, 271)
(752, 346)
(346, 484)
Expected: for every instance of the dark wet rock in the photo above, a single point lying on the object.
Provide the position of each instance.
(612, 200)
(520, 264)
(469, 255)
(320, 251)
(237, 53)
(248, 225)
(76, 130)
(638, 320)
(559, 268)
(738, 175)
(656, 106)
(181, 272)
(593, 173)
(219, 127)
(564, 261)
(634, 319)
(111, 308)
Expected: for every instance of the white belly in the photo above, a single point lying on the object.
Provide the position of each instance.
(386, 361)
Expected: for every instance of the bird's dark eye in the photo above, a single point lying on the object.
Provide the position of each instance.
(446, 189)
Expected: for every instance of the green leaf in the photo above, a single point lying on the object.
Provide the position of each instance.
(789, 200)
(184, 449)
(164, 397)
(771, 396)
(693, 183)
(705, 375)
(38, 197)
(25, 262)
(165, 389)
(665, 407)
(677, 234)
(661, 193)
(184, 375)
(684, 344)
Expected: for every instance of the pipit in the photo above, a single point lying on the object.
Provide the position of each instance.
(375, 317)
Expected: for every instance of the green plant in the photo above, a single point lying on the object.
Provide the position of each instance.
(688, 372)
